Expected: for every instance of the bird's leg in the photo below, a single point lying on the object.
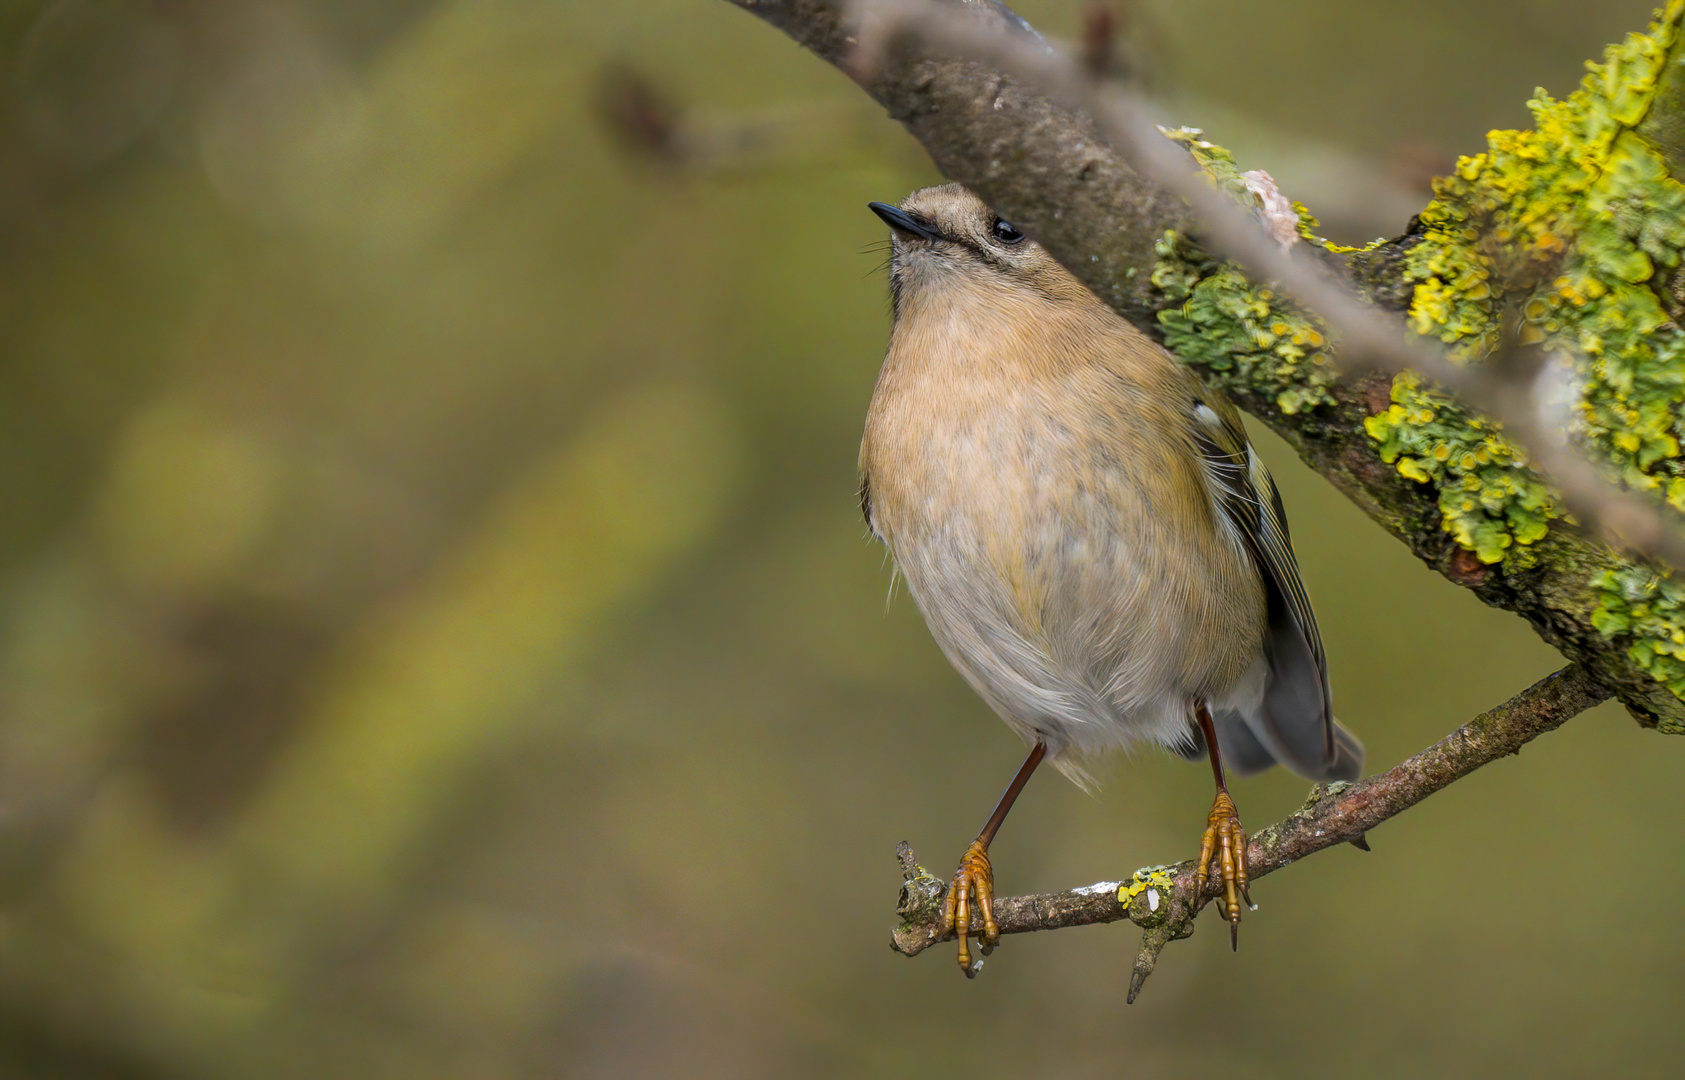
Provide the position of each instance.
(974, 881)
(1223, 837)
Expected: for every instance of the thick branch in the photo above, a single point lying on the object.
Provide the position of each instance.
(1335, 814)
(1042, 164)
(1034, 160)
(1503, 389)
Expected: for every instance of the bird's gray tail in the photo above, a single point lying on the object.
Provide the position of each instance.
(1247, 750)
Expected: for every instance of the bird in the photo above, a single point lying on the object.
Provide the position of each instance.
(1088, 532)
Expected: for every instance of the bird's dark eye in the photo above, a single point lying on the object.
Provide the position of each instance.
(1006, 233)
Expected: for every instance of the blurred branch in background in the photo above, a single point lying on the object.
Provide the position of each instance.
(322, 470)
(1165, 900)
(650, 123)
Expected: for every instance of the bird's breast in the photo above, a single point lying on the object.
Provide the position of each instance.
(1032, 486)
(1056, 531)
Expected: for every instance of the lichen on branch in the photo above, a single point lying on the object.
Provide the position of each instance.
(1646, 609)
(1239, 333)
(1576, 231)
(1236, 332)
(1578, 224)
(1489, 500)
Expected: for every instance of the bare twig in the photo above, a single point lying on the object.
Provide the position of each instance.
(1158, 898)
(1369, 339)
(639, 114)
(1099, 40)
(658, 128)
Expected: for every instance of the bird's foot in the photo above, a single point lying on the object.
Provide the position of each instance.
(1225, 839)
(970, 906)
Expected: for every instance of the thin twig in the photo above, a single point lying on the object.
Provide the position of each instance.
(1369, 339)
(1335, 814)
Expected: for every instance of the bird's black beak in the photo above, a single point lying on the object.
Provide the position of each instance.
(903, 222)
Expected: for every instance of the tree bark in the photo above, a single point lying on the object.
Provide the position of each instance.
(1040, 164)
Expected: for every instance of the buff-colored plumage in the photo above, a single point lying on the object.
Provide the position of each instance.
(1081, 522)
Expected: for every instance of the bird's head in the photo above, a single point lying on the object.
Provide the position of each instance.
(947, 244)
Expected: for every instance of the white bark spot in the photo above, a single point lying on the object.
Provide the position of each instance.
(1281, 221)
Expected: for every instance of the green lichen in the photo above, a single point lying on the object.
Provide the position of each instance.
(1574, 233)
(1219, 165)
(1245, 336)
(1309, 223)
(1489, 500)
(1567, 224)
(1576, 226)
(1649, 608)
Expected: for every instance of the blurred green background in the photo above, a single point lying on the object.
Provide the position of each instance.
(438, 637)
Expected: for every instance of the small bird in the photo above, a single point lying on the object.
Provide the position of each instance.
(1089, 535)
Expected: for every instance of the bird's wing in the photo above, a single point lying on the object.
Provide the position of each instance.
(1296, 721)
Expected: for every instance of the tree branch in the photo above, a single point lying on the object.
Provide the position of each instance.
(1042, 164)
(1161, 900)
(1368, 339)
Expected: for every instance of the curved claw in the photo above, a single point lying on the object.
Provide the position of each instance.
(974, 882)
(1226, 840)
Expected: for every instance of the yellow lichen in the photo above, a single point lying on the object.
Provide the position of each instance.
(1574, 230)
(1148, 877)
(1243, 335)
(1568, 223)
